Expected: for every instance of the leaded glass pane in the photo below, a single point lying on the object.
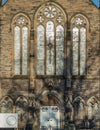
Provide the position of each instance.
(18, 109)
(80, 110)
(89, 111)
(3, 107)
(75, 50)
(40, 66)
(96, 111)
(17, 50)
(9, 107)
(40, 50)
(50, 48)
(50, 11)
(59, 50)
(24, 50)
(82, 50)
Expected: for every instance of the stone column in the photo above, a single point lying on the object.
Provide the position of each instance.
(72, 113)
(31, 52)
(68, 62)
(86, 111)
(32, 59)
(14, 109)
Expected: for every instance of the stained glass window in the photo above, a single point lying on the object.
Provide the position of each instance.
(79, 30)
(59, 50)
(6, 105)
(96, 111)
(21, 32)
(75, 50)
(90, 111)
(80, 110)
(3, 107)
(50, 48)
(82, 50)
(40, 50)
(9, 107)
(50, 22)
(21, 108)
(17, 50)
(24, 50)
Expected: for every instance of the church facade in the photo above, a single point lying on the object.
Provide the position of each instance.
(49, 63)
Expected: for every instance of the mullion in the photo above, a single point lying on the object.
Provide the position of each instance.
(21, 50)
(79, 52)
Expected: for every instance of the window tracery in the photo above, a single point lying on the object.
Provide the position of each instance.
(79, 106)
(21, 107)
(50, 22)
(6, 105)
(93, 108)
(79, 25)
(50, 11)
(21, 26)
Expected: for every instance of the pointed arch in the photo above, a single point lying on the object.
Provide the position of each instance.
(79, 107)
(92, 100)
(52, 96)
(93, 108)
(79, 30)
(21, 33)
(79, 99)
(21, 107)
(6, 105)
(52, 18)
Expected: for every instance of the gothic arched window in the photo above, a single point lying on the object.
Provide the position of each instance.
(93, 108)
(79, 108)
(21, 107)
(79, 26)
(21, 26)
(6, 105)
(50, 25)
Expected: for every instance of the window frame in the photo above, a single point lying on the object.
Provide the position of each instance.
(86, 26)
(63, 24)
(14, 24)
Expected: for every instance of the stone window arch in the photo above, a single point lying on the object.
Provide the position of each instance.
(6, 105)
(21, 107)
(21, 30)
(93, 108)
(79, 31)
(50, 27)
(79, 108)
(69, 111)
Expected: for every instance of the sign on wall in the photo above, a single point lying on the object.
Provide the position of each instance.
(8, 120)
(49, 117)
